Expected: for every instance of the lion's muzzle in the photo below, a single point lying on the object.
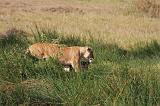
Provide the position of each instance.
(91, 60)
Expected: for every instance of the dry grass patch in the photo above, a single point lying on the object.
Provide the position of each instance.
(36, 84)
(63, 10)
(151, 7)
(103, 19)
(7, 87)
(30, 84)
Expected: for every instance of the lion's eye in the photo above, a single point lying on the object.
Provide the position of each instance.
(89, 49)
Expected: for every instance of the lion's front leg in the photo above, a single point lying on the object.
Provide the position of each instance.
(76, 65)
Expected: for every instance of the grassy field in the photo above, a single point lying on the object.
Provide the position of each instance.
(117, 77)
(126, 69)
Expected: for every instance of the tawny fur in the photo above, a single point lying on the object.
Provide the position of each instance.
(66, 55)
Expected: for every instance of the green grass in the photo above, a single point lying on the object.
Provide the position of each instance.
(117, 77)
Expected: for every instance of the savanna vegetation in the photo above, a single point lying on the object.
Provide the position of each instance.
(124, 35)
(116, 77)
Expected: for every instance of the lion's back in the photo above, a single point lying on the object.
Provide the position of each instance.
(43, 50)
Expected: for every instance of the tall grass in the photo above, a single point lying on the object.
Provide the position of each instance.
(116, 77)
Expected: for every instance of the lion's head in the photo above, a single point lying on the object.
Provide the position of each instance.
(87, 53)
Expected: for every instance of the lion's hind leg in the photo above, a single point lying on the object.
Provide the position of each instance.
(67, 69)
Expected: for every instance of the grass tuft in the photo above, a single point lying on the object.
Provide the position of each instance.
(151, 49)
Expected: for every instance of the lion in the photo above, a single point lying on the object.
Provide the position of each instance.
(69, 57)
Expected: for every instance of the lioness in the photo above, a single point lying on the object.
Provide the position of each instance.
(67, 56)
